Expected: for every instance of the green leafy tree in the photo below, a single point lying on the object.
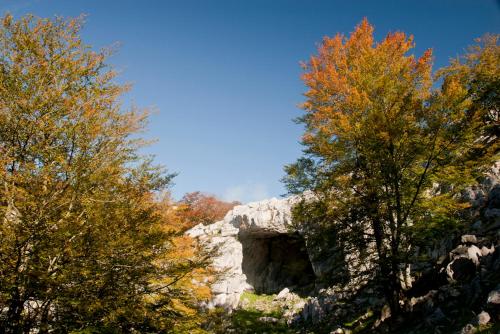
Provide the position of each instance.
(85, 245)
(386, 155)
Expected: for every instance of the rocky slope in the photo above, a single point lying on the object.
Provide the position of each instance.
(259, 249)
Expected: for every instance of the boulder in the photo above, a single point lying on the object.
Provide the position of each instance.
(494, 297)
(468, 329)
(468, 238)
(464, 260)
(487, 251)
(493, 304)
(483, 318)
(283, 294)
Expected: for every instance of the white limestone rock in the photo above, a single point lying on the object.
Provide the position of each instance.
(264, 218)
(483, 318)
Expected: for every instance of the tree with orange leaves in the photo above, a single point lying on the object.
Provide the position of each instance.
(378, 140)
(205, 209)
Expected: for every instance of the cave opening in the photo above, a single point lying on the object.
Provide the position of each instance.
(272, 263)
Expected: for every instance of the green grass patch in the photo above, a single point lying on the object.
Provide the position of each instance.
(253, 307)
(252, 301)
(253, 297)
(247, 321)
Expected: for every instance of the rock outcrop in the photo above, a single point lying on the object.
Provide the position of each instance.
(260, 249)
(257, 249)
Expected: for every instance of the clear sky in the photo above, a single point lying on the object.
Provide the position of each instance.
(224, 76)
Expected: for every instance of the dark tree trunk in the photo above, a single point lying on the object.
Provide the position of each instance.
(44, 321)
(388, 269)
(13, 323)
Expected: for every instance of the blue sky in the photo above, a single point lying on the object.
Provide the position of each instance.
(224, 76)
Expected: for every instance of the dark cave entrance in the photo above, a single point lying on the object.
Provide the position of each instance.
(272, 263)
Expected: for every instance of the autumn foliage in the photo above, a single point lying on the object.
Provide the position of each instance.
(86, 243)
(92, 242)
(201, 208)
(381, 143)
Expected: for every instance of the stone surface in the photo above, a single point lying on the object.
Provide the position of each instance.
(463, 262)
(385, 313)
(257, 249)
(494, 297)
(283, 294)
(486, 251)
(483, 318)
(468, 329)
(468, 238)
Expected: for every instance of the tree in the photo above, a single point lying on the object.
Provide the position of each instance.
(205, 209)
(84, 241)
(475, 79)
(184, 279)
(381, 145)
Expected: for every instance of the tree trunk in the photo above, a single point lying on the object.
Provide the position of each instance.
(389, 274)
(13, 321)
(44, 321)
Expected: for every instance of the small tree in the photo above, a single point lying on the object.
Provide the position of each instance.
(379, 141)
(205, 209)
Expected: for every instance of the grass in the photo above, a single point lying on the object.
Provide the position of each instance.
(361, 322)
(246, 320)
(257, 302)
